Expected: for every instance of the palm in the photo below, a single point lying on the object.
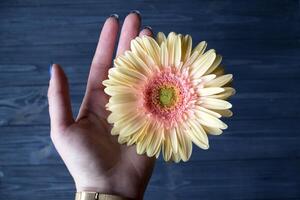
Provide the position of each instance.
(99, 151)
(93, 156)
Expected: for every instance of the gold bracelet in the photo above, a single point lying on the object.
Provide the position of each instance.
(96, 196)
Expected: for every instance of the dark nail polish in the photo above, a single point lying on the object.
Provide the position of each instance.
(137, 13)
(50, 70)
(149, 28)
(116, 16)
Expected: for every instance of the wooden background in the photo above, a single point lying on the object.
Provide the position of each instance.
(258, 157)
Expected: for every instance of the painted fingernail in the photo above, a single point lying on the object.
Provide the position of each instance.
(137, 13)
(116, 16)
(149, 28)
(50, 70)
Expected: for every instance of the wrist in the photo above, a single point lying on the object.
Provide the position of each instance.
(128, 192)
(97, 196)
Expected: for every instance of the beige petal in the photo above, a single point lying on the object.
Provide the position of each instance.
(190, 60)
(160, 38)
(164, 55)
(122, 108)
(155, 142)
(219, 71)
(202, 80)
(114, 117)
(186, 48)
(177, 52)
(143, 142)
(159, 149)
(207, 78)
(133, 73)
(132, 128)
(122, 139)
(212, 130)
(174, 140)
(171, 40)
(123, 98)
(175, 157)
(166, 148)
(216, 104)
(115, 90)
(200, 108)
(126, 120)
(228, 92)
(123, 62)
(108, 82)
(211, 121)
(115, 130)
(118, 81)
(200, 48)
(209, 91)
(185, 145)
(197, 134)
(219, 81)
(116, 74)
(121, 122)
(202, 64)
(138, 63)
(152, 48)
(139, 135)
(224, 113)
(215, 64)
(144, 55)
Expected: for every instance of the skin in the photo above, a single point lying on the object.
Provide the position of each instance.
(94, 158)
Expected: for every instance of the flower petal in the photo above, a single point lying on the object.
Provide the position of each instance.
(186, 48)
(210, 91)
(216, 104)
(212, 113)
(115, 90)
(228, 92)
(200, 47)
(167, 148)
(211, 121)
(202, 64)
(198, 134)
(212, 130)
(164, 55)
(152, 49)
(185, 145)
(160, 38)
(219, 81)
(171, 41)
(155, 142)
(174, 140)
(224, 113)
(215, 64)
(177, 52)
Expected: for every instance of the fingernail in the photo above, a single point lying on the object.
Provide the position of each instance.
(137, 13)
(50, 70)
(116, 16)
(149, 28)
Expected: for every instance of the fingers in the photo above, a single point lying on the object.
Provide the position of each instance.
(130, 30)
(104, 52)
(59, 100)
(146, 31)
(99, 68)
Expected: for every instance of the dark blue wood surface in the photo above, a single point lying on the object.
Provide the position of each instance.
(258, 157)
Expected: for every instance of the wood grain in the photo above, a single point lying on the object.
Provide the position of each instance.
(258, 157)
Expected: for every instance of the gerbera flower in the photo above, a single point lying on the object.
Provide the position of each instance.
(166, 95)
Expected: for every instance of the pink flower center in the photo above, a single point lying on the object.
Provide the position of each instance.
(167, 96)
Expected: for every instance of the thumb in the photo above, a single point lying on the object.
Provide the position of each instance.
(59, 100)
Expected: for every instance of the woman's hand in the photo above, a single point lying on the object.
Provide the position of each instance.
(93, 156)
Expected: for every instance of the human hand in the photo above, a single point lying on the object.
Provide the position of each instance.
(95, 159)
